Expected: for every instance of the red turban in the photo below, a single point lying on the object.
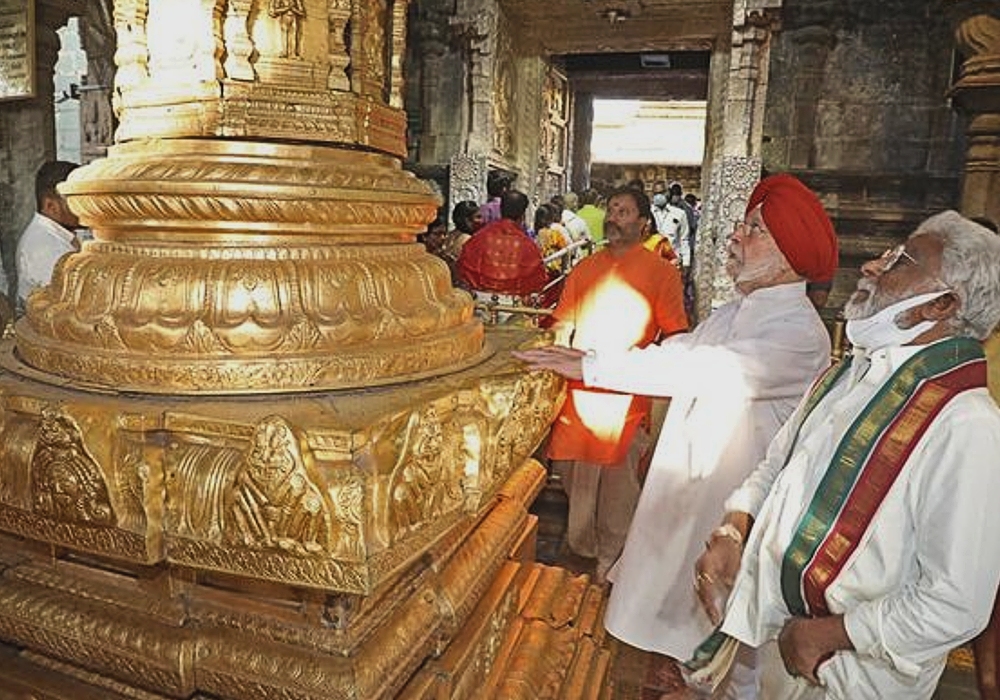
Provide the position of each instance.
(799, 225)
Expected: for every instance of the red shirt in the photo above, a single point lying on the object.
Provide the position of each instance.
(613, 303)
(501, 258)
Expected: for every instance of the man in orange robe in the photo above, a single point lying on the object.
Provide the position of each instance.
(622, 297)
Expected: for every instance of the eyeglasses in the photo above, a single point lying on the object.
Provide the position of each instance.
(754, 228)
(890, 258)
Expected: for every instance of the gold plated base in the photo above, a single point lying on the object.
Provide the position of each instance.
(353, 545)
(240, 267)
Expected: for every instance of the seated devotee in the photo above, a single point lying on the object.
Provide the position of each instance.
(501, 262)
(435, 238)
(467, 218)
(863, 546)
(733, 381)
(619, 298)
(656, 242)
(49, 235)
(447, 245)
(819, 292)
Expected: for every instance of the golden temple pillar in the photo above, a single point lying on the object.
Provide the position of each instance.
(252, 442)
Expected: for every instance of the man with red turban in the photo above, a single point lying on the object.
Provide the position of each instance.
(733, 381)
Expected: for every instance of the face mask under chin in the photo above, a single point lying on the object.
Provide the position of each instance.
(880, 329)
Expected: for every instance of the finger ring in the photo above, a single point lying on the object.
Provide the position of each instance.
(702, 577)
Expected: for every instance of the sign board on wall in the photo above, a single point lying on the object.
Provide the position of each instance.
(17, 49)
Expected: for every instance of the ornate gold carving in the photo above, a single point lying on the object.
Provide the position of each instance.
(338, 17)
(239, 46)
(372, 55)
(195, 640)
(267, 69)
(979, 35)
(398, 52)
(290, 14)
(504, 126)
(67, 483)
(276, 504)
(100, 638)
(228, 307)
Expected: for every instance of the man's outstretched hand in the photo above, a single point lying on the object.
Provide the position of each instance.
(556, 358)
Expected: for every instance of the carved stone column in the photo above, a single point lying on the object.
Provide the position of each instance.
(813, 45)
(583, 133)
(735, 162)
(977, 94)
(97, 120)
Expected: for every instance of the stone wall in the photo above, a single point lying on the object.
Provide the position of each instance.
(856, 107)
(475, 94)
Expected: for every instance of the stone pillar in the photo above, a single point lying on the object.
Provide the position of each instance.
(97, 119)
(583, 133)
(813, 46)
(977, 95)
(734, 160)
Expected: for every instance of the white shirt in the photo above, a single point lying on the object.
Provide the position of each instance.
(924, 577)
(41, 245)
(672, 222)
(577, 227)
(734, 380)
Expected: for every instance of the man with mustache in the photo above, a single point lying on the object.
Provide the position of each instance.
(732, 382)
(622, 296)
(870, 524)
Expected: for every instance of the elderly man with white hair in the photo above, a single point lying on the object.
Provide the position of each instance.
(870, 525)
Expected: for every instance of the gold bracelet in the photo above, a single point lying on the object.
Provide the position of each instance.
(729, 531)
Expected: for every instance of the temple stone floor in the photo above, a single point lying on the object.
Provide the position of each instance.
(638, 675)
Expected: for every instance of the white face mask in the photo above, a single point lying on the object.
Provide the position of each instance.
(660, 200)
(880, 329)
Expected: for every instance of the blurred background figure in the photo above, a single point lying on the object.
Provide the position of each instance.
(50, 234)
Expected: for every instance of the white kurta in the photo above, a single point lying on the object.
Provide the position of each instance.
(41, 245)
(923, 579)
(733, 382)
(672, 222)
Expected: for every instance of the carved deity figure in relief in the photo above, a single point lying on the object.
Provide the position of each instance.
(275, 503)
(66, 481)
(290, 15)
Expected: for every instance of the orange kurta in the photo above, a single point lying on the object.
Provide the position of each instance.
(613, 303)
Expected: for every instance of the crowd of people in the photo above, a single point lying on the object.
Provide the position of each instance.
(499, 267)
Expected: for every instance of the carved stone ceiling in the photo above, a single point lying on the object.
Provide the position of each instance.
(588, 26)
